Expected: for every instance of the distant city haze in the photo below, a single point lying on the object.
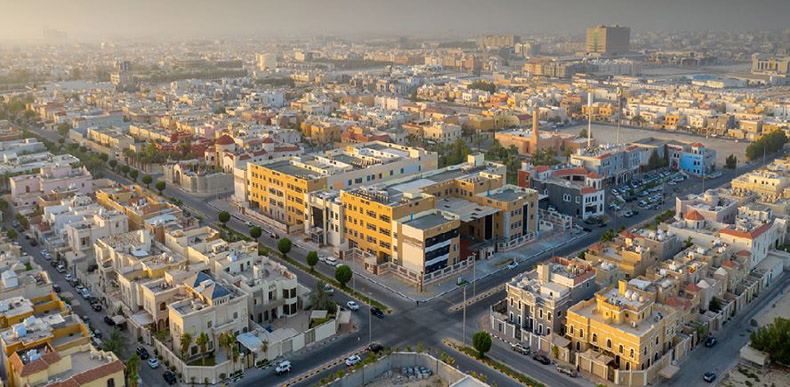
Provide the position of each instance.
(93, 20)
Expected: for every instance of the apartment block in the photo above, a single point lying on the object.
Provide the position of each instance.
(277, 189)
(26, 189)
(571, 191)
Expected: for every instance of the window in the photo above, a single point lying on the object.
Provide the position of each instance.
(581, 333)
(632, 353)
(571, 329)
(608, 343)
(595, 337)
(620, 348)
(566, 197)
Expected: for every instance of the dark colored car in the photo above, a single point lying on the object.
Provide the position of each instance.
(375, 348)
(33, 242)
(56, 288)
(96, 307)
(170, 377)
(143, 353)
(709, 377)
(376, 312)
(541, 358)
(109, 321)
(711, 341)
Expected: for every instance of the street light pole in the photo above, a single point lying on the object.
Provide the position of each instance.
(463, 325)
(474, 276)
(370, 322)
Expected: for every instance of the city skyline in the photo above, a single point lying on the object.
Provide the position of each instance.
(89, 20)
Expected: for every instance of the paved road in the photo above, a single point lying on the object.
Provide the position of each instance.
(732, 337)
(426, 323)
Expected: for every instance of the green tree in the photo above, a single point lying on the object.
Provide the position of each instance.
(312, 260)
(202, 343)
(22, 221)
(583, 133)
(63, 129)
(133, 174)
(320, 299)
(160, 186)
(343, 275)
(125, 169)
(769, 143)
(555, 351)
(714, 305)
(113, 164)
(653, 162)
(11, 233)
(482, 343)
(133, 370)
(284, 245)
(185, 341)
(147, 179)
(731, 162)
(772, 339)
(255, 232)
(223, 217)
(482, 85)
(114, 342)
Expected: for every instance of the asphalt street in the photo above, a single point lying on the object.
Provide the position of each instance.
(427, 323)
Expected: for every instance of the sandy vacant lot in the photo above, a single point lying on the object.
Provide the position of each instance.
(607, 133)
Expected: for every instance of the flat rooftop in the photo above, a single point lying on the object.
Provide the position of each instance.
(426, 222)
(466, 210)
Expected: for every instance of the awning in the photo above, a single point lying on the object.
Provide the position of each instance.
(120, 320)
(560, 342)
(669, 371)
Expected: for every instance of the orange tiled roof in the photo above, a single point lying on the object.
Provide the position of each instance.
(693, 215)
(746, 234)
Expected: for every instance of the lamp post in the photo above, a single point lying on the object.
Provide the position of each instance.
(463, 324)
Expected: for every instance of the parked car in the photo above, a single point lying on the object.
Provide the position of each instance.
(170, 377)
(33, 242)
(376, 312)
(274, 236)
(520, 349)
(56, 288)
(68, 277)
(97, 333)
(283, 367)
(711, 341)
(567, 370)
(248, 223)
(541, 358)
(353, 359)
(709, 377)
(352, 306)
(109, 321)
(96, 342)
(153, 363)
(61, 269)
(96, 306)
(329, 289)
(375, 348)
(141, 351)
(331, 261)
(512, 265)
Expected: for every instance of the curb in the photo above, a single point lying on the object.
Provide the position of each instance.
(314, 371)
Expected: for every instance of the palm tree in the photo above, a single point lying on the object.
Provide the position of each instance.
(202, 342)
(320, 298)
(186, 341)
(133, 370)
(114, 342)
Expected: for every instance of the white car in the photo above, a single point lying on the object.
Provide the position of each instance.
(353, 306)
(283, 367)
(354, 359)
(248, 223)
(511, 265)
(68, 277)
(153, 363)
(331, 261)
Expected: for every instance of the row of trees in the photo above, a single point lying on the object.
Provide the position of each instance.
(773, 339)
(767, 144)
(482, 85)
(508, 157)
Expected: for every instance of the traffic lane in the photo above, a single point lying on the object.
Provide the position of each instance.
(732, 337)
(82, 308)
(547, 374)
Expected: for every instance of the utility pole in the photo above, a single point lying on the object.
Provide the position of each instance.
(589, 120)
(619, 112)
(474, 276)
(463, 325)
(370, 322)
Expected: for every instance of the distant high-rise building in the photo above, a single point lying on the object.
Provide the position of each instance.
(122, 65)
(608, 40)
(266, 61)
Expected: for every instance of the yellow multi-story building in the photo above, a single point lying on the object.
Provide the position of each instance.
(762, 182)
(621, 328)
(430, 212)
(143, 209)
(278, 189)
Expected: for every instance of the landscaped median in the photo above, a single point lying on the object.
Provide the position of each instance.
(491, 363)
(363, 298)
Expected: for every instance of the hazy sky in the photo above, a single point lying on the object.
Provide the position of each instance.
(101, 19)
